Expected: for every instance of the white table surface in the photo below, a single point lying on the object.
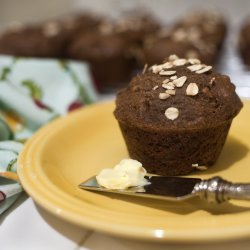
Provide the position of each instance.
(29, 227)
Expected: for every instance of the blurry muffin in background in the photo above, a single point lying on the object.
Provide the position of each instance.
(110, 48)
(205, 27)
(199, 35)
(108, 55)
(77, 23)
(41, 40)
(136, 26)
(158, 49)
(117, 48)
(244, 42)
(46, 39)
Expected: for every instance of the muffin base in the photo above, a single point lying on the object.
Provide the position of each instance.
(174, 152)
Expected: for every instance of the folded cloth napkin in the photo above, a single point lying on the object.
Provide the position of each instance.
(32, 93)
(9, 189)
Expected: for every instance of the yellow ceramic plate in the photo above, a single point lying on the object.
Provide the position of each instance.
(72, 149)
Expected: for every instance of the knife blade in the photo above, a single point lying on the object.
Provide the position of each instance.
(213, 190)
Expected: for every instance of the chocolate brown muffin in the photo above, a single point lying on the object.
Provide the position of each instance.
(175, 116)
(202, 28)
(108, 56)
(136, 26)
(78, 23)
(133, 28)
(244, 42)
(45, 40)
(198, 35)
(157, 50)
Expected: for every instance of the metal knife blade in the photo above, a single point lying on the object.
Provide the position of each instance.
(160, 187)
(213, 190)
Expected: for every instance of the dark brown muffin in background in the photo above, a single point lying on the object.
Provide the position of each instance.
(46, 39)
(108, 56)
(158, 49)
(110, 47)
(136, 26)
(133, 27)
(175, 117)
(198, 35)
(79, 23)
(116, 49)
(244, 42)
(43, 40)
(205, 27)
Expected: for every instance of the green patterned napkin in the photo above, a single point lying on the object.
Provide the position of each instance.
(32, 93)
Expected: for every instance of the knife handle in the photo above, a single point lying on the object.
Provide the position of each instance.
(218, 190)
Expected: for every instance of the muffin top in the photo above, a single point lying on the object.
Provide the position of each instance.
(95, 45)
(136, 26)
(133, 27)
(158, 49)
(244, 36)
(206, 22)
(178, 94)
(206, 29)
(75, 24)
(45, 40)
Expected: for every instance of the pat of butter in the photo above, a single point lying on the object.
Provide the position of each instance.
(128, 173)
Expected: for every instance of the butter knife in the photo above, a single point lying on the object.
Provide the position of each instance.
(214, 190)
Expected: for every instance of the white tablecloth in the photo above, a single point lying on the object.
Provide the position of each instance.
(30, 227)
